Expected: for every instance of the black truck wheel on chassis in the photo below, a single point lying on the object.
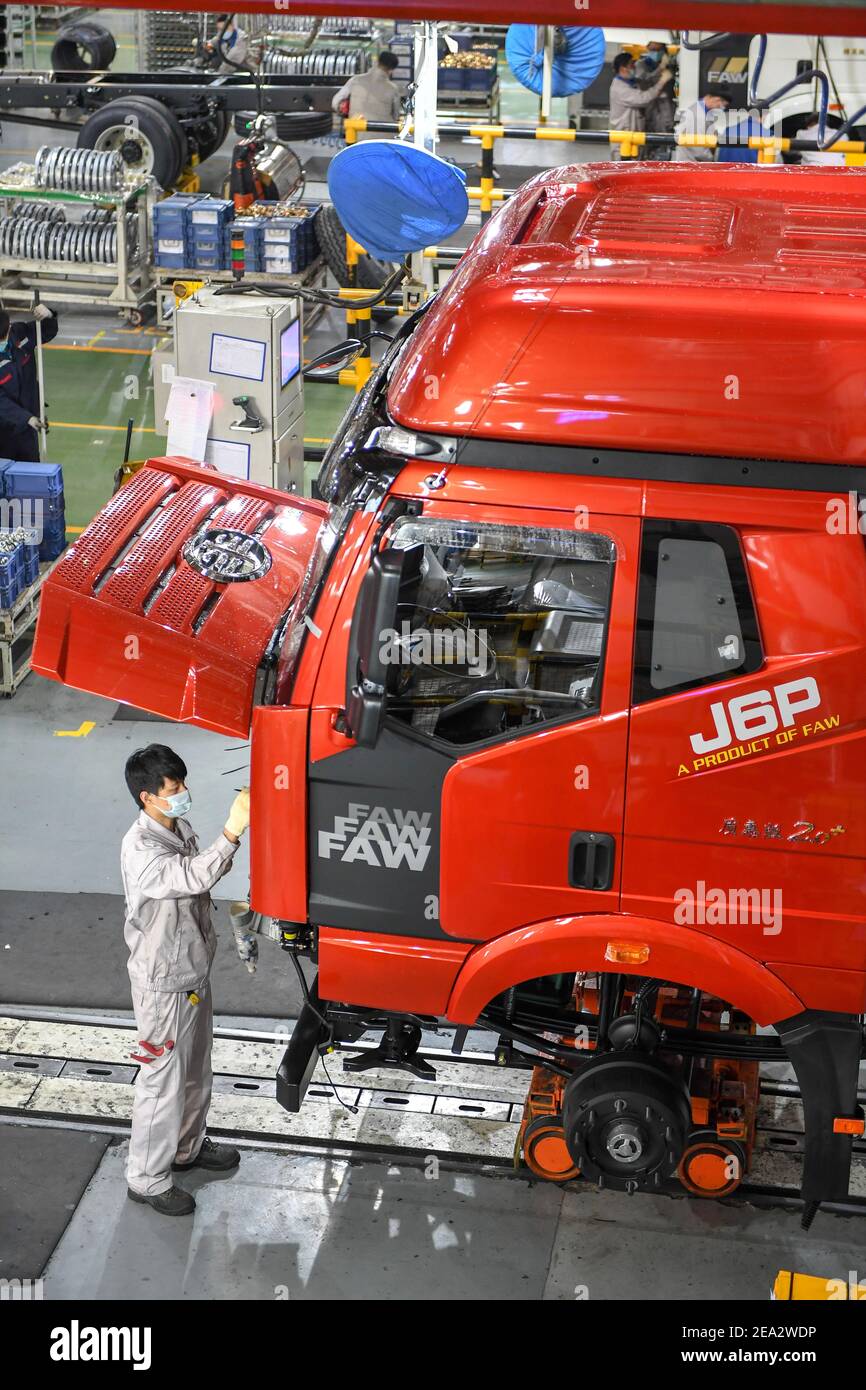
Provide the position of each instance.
(626, 1118)
(146, 134)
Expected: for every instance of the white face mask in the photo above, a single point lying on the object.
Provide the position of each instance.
(179, 804)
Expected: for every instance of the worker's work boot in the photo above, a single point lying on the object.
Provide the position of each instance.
(218, 1157)
(173, 1202)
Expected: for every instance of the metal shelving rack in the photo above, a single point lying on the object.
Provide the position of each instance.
(125, 285)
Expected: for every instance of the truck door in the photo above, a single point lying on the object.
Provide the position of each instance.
(493, 797)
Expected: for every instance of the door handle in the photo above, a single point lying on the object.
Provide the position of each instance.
(591, 856)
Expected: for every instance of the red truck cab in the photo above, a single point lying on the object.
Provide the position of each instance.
(557, 698)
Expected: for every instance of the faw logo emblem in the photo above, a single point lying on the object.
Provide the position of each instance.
(381, 837)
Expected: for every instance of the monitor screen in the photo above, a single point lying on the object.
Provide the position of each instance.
(290, 352)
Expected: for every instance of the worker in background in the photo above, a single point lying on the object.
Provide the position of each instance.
(810, 132)
(166, 882)
(19, 384)
(629, 102)
(372, 93)
(703, 117)
(229, 44)
(660, 112)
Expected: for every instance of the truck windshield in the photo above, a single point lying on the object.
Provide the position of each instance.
(502, 627)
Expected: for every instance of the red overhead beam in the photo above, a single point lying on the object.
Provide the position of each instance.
(740, 16)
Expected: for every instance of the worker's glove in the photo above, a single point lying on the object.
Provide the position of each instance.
(246, 925)
(36, 424)
(239, 815)
(42, 311)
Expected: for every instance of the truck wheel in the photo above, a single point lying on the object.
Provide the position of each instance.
(210, 134)
(302, 125)
(144, 132)
(84, 48)
(331, 235)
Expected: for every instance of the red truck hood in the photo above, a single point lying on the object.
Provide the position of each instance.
(125, 616)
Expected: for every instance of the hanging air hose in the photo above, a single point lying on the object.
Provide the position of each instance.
(825, 138)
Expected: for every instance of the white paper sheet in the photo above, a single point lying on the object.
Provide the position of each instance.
(229, 457)
(242, 357)
(188, 412)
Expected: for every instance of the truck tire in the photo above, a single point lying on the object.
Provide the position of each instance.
(84, 48)
(156, 146)
(289, 126)
(331, 235)
(211, 133)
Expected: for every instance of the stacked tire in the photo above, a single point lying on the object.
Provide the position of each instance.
(82, 48)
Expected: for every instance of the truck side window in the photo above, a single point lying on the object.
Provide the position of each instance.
(500, 630)
(696, 621)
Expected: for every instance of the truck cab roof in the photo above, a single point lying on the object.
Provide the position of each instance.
(684, 308)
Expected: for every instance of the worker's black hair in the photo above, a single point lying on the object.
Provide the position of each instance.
(4, 323)
(147, 769)
(222, 18)
(388, 60)
(721, 89)
(622, 60)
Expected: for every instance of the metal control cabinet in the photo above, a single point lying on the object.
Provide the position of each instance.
(251, 348)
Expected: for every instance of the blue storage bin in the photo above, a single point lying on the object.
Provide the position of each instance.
(217, 260)
(4, 464)
(8, 594)
(450, 79)
(479, 79)
(43, 480)
(31, 564)
(53, 541)
(214, 213)
(170, 217)
(171, 260)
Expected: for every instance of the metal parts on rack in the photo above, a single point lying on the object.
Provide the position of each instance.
(70, 170)
(91, 241)
(323, 62)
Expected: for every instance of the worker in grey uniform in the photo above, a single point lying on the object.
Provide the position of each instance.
(629, 102)
(660, 113)
(703, 117)
(372, 93)
(167, 881)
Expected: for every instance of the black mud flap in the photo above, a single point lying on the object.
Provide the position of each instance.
(824, 1050)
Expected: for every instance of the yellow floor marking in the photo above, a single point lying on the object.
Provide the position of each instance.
(67, 425)
(74, 530)
(96, 337)
(85, 347)
(84, 729)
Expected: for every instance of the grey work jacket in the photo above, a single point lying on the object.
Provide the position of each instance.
(167, 883)
(628, 104)
(371, 94)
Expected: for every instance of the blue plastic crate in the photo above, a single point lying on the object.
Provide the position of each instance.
(53, 540)
(216, 260)
(171, 260)
(479, 79)
(450, 79)
(33, 480)
(215, 213)
(12, 566)
(170, 217)
(4, 464)
(8, 594)
(31, 564)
